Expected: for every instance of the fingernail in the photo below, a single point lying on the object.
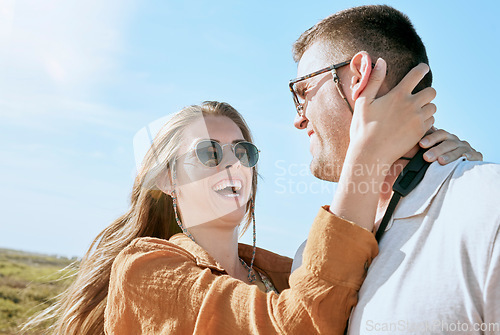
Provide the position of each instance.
(445, 158)
(427, 68)
(378, 64)
(429, 155)
(424, 141)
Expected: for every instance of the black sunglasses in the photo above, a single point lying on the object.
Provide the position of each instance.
(210, 153)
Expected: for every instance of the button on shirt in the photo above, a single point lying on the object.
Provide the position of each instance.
(438, 268)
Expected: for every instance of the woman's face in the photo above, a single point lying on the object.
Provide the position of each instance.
(212, 195)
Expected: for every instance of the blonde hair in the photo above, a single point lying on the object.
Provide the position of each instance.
(80, 309)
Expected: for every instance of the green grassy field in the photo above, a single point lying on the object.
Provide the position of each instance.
(28, 282)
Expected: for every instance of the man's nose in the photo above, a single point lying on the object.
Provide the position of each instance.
(300, 121)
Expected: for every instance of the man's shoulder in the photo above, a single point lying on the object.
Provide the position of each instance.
(473, 192)
(470, 207)
(457, 196)
(479, 180)
(472, 171)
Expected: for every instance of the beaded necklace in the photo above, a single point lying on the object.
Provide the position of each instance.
(251, 274)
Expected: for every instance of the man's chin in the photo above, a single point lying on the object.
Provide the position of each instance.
(324, 170)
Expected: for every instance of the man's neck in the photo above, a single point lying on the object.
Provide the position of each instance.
(386, 192)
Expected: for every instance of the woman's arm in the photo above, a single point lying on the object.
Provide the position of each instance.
(381, 133)
(382, 130)
(157, 287)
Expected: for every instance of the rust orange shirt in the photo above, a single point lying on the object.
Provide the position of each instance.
(176, 287)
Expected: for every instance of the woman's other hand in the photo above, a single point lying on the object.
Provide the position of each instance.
(448, 149)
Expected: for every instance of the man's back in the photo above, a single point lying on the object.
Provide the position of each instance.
(438, 270)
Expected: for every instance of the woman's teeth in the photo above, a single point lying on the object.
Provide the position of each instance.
(235, 185)
(228, 188)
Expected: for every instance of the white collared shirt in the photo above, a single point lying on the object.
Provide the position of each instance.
(438, 268)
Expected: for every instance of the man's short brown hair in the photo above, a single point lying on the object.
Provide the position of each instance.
(380, 30)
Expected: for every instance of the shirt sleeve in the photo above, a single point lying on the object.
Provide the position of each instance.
(162, 290)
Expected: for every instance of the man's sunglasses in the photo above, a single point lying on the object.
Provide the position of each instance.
(210, 153)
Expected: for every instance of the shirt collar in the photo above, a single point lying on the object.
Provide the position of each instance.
(266, 261)
(420, 198)
(202, 258)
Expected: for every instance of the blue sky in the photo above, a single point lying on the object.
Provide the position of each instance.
(79, 79)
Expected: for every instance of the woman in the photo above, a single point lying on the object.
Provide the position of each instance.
(172, 263)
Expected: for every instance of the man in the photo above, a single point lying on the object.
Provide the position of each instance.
(438, 268)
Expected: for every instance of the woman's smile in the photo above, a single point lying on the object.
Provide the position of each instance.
(229, 188)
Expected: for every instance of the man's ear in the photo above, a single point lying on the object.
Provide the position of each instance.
(361, 68)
